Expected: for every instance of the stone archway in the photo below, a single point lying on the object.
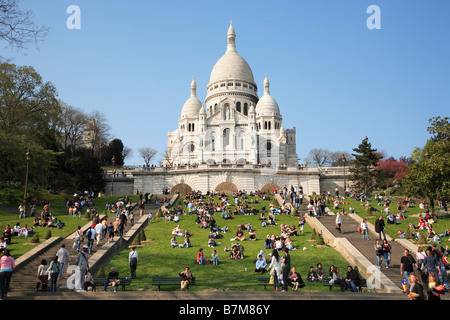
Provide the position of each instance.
(270, 187)
(182, 188)
(227, 187)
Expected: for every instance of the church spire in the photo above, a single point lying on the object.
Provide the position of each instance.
(266, 85)
(193, 88)
(231, 37)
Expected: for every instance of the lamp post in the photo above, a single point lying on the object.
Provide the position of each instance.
(345, 184)
(113, 161)
(27, 158)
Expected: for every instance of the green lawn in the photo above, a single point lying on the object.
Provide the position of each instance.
(21, 245)
(412, 216)
(157, 258)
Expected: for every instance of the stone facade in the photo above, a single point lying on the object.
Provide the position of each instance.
(236, 127)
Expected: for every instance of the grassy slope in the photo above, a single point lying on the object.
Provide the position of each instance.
(21, 245)
(157, 258)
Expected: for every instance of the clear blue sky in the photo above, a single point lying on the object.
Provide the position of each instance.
(334, 79)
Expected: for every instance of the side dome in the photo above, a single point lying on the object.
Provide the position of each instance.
(267, 105)
(231, 64)
(193, 105)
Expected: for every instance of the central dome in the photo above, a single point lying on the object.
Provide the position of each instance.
(231, 65)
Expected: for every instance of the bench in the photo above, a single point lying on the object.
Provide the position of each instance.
(326, 283)
(264, 282)
(100, 282)
(161, 281)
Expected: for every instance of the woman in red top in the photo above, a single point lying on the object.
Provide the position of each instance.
(201, 257)
(7, 265)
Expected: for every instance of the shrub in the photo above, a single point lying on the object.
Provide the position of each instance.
(35, 238)
(143, 236)
(48, 234)
(101, 272)
(137, 240)
(313, 234)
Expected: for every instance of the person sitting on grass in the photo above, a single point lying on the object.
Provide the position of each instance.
(251, 235)
(173, 242)
(186, 243)
(261, 264)
(200, 257)
(240, 234)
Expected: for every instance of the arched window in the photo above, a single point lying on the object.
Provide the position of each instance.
(238, 106)
(245, 109)
(226, 138)
(269, 148)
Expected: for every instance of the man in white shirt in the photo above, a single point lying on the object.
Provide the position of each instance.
(82, 269)
(133, 260)
(99, 232)
(63, 258)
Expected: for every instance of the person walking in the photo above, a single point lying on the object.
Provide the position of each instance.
(133, 261)
(82, 268)
(379, 252)
(379, 227)
(285, 268)
(53, 272)
(365, 229)
(21, 210)
(42, 276)
(407, 267)
(338, 222)
(63, 258)
(387, 249)
(7, 266)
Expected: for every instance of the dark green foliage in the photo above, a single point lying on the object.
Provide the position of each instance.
(361, 170)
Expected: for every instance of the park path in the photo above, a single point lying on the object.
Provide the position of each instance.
(366, 247)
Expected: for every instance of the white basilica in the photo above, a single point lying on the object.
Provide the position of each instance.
(236, 126)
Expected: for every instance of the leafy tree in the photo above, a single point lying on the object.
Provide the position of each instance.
(361, 171)
(429, 177)
(390, 170)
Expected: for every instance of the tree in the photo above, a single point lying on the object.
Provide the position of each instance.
(390, 170)
(147, 154)
(318, 157)
(17, 27)
(114, 149)
(429, 177)
(361, 170)
(96, 133)
(336, 158)
(72, 125)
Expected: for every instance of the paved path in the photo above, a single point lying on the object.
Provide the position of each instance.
(366, 248)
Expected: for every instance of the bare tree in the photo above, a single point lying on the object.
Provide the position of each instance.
(17, 27)
(73, 122)
(336, 158)
(96, 133)
(147, 154)
(318, 157)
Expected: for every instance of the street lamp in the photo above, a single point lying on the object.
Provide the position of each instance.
(113, 161)
(345, 184)
(27, 158)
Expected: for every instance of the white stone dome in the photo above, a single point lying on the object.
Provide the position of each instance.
(267, 105)
(193, 105)
(231, 64)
